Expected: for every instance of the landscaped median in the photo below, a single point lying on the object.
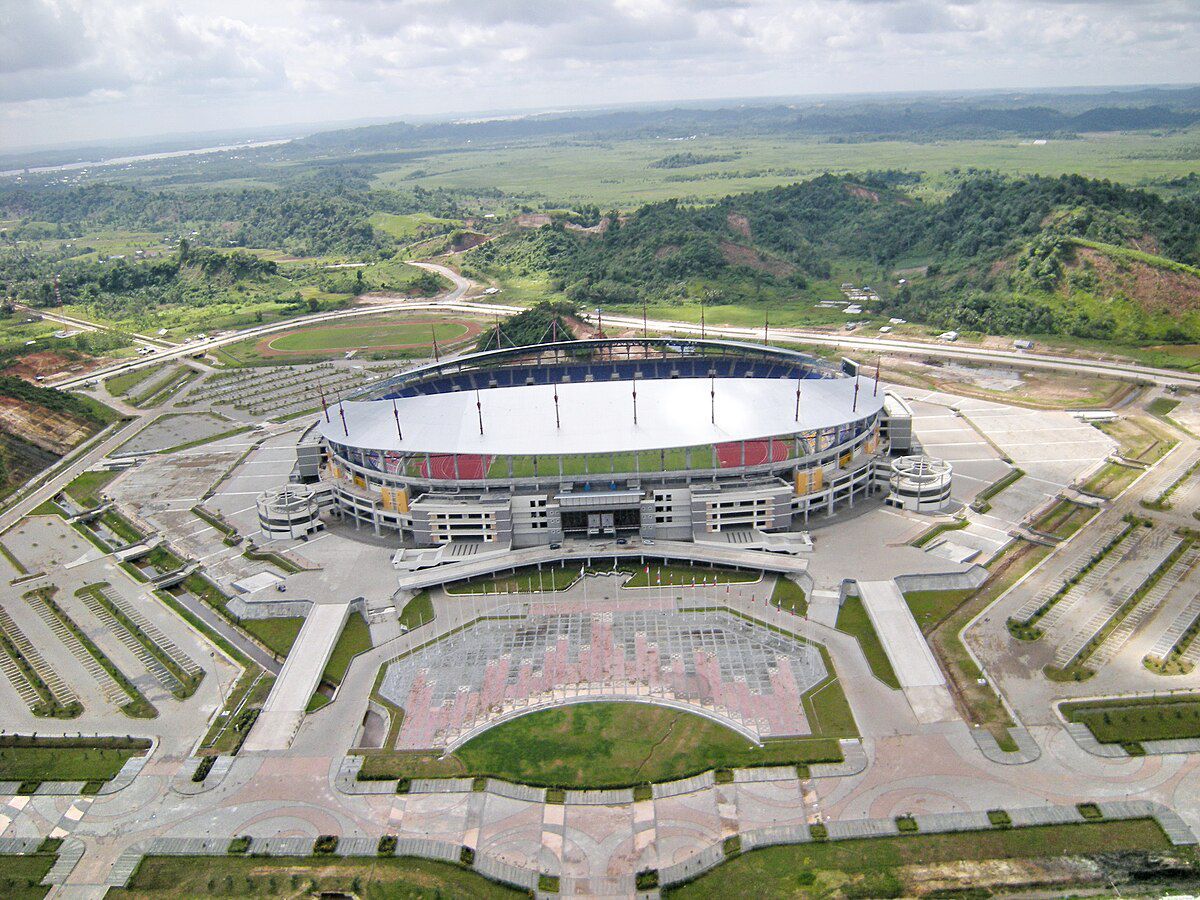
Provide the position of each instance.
(1131, 721)
(605, 745)
(33, 759)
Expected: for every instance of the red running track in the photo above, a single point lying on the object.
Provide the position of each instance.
(757, 453)
(469, 466)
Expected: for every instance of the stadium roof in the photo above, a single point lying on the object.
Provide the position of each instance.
(597, 417)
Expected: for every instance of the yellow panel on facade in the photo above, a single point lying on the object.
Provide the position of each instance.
(872, 441)
(818, 479)
(845, 460)
(401, 498)
(803, 481)
(360, 481)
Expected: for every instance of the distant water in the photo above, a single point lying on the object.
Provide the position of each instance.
(123, 160)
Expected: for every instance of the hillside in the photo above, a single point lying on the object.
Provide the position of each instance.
(1034, 255)
(38, 426)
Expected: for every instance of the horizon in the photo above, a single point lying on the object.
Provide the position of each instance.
(78, 73)
(198, 140)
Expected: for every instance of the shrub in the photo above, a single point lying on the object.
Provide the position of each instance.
(325, 845)
(647, 880)
(733, 845)
(906, 824)
(239, 845)
(1089, 811)
(548, 883)
(387, 845)
(999, 818)
(818, 832)
(466, 856)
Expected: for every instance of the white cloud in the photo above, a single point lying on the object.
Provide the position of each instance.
(78, 68)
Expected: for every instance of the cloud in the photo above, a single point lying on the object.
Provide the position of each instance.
(136, 65)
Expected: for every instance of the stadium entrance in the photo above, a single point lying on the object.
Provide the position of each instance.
(607, 523)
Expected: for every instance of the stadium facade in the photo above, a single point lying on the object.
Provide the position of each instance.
(648, 437)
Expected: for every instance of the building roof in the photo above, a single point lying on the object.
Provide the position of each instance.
(597, 417)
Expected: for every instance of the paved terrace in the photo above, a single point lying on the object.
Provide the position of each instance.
(711, 663)
(586, 551)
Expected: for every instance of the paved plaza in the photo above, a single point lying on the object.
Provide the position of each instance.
(711, 663)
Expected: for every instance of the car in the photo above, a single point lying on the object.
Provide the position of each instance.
(646, 542)
(281, 587)
(556, 546)
(621, 542)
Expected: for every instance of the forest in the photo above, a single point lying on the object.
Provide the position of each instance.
(999, 255)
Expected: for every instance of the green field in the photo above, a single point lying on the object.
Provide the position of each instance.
(853, 619)
(1130, 722)
(879, 867)
(601, 463)
(602, 745)
(355, 639)
(1065, 518)
(370, 335)
(417, 611)
(294, 877)
(618, 173)
(65, 759)
(86, 488)
(412, 225)
(21, 876)
(789, 596)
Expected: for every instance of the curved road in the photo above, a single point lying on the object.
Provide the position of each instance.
(452, 301)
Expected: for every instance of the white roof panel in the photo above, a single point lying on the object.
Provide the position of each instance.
(597, 417)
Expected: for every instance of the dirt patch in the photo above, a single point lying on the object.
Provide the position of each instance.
(1155, 289)
(862, 193)
(738, 255)
(666, 250)
(739, 223)
(467, 240)
(52, 431)
(599, 228)
(49, 363)
(532, 220)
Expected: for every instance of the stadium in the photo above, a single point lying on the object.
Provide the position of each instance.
(646, 437)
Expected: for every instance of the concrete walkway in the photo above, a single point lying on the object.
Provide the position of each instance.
(284, 710)
(916, 669)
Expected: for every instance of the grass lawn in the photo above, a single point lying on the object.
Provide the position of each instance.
(1111, 479)
(603, 745)
(1065, 518)
(525, 579)
(120, 385)
(1141, 438)
(874, 867)
(355, 639)
(85, 489)
(826, 706)
(376, 878)
(983, 704)
(20, 876)
(65, 759)
(683, 575)
(790, 596)
(603, 463)
(1162, 406)
(417, 611)
(335, 338)
(930, 608)
(1133, 721)
(853, 619)
(278, 634)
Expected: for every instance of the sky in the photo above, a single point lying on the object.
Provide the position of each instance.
(86, 70)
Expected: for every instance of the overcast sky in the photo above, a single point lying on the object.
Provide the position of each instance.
(74, 70)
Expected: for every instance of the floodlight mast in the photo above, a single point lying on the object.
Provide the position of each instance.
(479, 410)
(396, 413)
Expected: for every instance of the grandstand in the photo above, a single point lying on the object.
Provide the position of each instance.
(604, 438)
